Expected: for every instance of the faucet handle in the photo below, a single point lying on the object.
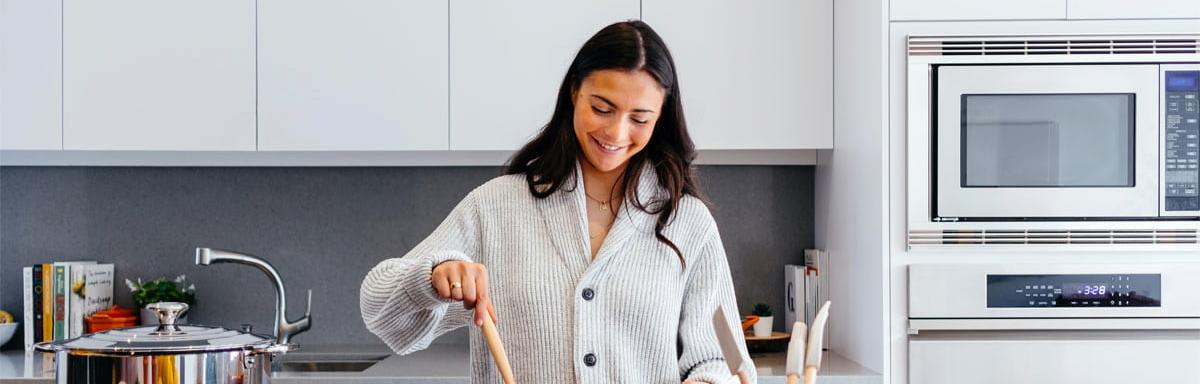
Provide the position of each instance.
(308, 306)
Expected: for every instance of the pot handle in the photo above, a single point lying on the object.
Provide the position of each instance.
(167, 312)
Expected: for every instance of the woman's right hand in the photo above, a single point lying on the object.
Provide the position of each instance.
(466, 282)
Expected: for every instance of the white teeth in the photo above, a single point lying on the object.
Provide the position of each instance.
(610, 148)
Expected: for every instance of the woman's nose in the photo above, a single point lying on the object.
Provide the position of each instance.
(617, 131)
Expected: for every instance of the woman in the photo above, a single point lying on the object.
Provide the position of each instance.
(593, 249)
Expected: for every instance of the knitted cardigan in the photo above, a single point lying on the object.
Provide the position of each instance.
(635, 314)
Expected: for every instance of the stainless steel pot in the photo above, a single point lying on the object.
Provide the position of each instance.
(165, 354)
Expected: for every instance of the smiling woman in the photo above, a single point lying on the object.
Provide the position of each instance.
(606, 265)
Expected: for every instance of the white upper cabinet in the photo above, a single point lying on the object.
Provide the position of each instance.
(978, 9)
(352, 75)
(1125, 9)
(158, 75)
(753, 75)
(30, 74)
(507, 60)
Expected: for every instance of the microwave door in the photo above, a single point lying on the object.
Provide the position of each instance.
(1046, 142)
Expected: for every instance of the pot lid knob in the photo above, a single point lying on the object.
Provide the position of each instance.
(167, 312)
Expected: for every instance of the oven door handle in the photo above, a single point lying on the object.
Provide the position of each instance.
(915, 326)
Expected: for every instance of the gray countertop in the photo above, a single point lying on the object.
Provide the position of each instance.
(436, 364)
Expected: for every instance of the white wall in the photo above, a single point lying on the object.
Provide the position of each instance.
(851, 185)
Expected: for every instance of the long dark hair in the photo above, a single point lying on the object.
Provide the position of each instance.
(548, 161)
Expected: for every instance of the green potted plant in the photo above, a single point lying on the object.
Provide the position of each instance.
(765, 320)
(161, 290)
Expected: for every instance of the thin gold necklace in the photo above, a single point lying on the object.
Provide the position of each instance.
(603, 204)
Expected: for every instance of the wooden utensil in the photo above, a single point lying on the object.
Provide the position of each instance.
(492, 336)
(795, 353)
(816, 337)
(729, 345)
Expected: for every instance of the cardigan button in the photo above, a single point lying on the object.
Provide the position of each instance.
(588, 294)
(589, 359)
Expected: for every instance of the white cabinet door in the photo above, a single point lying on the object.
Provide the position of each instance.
(30, 74)
(507, 60)
(352, 75)
(1125, 9)
(978, 9)
(158, 75)
(753, 75)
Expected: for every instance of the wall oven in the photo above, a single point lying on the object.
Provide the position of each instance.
(1083, 133)
(1053, 323)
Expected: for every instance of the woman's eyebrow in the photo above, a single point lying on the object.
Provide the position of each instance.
(607, 101)
(614, 105)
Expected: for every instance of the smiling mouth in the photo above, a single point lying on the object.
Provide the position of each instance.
(607, 148)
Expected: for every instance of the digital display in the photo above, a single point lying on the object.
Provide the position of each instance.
(1085, 290)
(1074, 290)
(1183, 80)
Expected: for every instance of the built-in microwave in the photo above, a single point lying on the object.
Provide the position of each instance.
(1038, 131)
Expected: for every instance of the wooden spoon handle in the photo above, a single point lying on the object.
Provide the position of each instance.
(793, 379)
(810, 375)
(497, 349)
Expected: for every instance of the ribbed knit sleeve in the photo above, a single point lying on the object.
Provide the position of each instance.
(397, 300)
(709, 285)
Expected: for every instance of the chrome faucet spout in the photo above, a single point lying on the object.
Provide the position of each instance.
(284, 329)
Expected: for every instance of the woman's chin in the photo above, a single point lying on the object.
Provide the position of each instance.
(606, 164)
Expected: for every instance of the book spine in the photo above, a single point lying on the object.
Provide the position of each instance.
(60, 302)
(37, 304)
(47, 302)
(75, 294)
(27, 309)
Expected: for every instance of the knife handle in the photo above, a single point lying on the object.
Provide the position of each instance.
(744, 377)
(810, 375)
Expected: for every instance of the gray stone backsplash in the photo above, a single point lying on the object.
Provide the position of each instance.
(323, 228)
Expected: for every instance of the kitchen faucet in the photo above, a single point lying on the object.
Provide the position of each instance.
(284, 329)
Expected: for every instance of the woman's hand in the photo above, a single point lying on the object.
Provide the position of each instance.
(466, 282)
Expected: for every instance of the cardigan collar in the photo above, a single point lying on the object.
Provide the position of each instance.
(565, 213)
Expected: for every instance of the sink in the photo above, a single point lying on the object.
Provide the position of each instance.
(328, 363)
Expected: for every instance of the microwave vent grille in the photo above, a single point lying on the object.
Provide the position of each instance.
(1053, 45)
(1052, 237)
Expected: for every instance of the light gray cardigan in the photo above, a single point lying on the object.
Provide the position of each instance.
(645, 318)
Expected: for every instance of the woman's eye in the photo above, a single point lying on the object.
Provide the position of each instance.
(640, 121)
(601, 111)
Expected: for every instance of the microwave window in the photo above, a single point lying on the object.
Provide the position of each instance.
(1047, 140)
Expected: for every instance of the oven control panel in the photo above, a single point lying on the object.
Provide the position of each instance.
(1074, 290)
(1181, 140)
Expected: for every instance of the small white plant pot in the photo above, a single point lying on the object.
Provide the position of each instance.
(762, 328)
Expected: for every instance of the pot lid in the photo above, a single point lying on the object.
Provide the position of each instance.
(166, 338)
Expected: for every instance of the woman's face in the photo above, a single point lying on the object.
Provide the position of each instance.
(615, 113)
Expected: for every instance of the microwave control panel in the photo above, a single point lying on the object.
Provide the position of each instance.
(1181, 144)
(1070, 290)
